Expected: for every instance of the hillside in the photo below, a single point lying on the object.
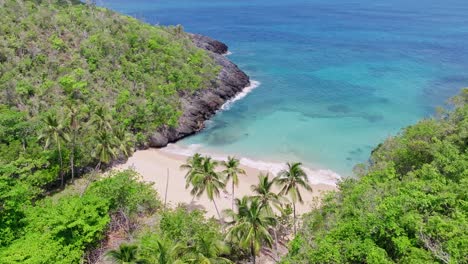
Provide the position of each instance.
(83, 86)
(409, 205)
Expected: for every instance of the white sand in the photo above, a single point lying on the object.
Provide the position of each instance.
(154, 166)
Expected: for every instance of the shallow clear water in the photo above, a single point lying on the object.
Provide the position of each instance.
(337, 77)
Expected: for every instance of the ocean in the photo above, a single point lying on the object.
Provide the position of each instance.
(332, 79)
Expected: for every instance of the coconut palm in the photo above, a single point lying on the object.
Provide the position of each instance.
(291, 180)
(72, 133)
(125, 141)
(206, 179)
(100, 119)
(105, 148)
(125, 254)
(162, 251)
(231, 172)
(268, 199)
(192, 165)
(249, 225)
(263, 191)
(208, 249)
(53, 131)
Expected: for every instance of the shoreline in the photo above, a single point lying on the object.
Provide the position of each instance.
(162, 167)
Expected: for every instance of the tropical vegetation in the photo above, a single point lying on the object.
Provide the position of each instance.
(82, 87)
(408, 204)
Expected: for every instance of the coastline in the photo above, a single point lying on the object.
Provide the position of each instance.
(154, 165)
(160, 163)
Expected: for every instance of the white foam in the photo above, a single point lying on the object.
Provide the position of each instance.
(316, 176)
(227, 53)
(228, 104)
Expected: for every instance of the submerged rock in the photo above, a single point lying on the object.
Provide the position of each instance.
(202, 105)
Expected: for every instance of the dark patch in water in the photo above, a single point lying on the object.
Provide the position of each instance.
(355, 152)
(382, 100)
(373, 118)
(219, 139)
(339, 108)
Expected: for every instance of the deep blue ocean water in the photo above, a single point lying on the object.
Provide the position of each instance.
(337, 77)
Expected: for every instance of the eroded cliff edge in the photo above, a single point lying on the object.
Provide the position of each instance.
(202, 105)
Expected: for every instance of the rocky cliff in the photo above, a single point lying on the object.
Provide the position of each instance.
(202, 105)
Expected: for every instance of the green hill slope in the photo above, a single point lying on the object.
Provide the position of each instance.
(80, 86)
(409, 206)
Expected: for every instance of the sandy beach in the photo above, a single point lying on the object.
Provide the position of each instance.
(155, 165)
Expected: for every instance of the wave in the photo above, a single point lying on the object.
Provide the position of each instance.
(316, 176)
(228, 104)
(227, 53)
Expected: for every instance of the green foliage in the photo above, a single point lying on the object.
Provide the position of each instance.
(85, 89)
(249, 225)
(69, 89)
(59, 229)
(183, 237)
(409, 207)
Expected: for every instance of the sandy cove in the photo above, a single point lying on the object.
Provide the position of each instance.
(153, 165)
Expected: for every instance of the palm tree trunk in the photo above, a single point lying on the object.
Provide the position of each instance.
(276, 243)
(72, 159)
(72, 167)
(61, 162)
(252, 251)
(232, 196)
(294, 217)
(216, 207)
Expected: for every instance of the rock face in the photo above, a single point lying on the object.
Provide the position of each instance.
(199, 107)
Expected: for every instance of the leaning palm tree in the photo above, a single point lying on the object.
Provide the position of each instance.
(125, 254)
(53, 131)
(249, 226)
(291, 180)
(192, 165)
(206, 179)
(231, 172)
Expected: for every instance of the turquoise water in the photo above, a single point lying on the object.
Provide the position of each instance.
(337, 77)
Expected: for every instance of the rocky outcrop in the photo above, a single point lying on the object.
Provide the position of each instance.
(202, 105)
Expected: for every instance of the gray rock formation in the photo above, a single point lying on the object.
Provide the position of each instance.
(199, 107)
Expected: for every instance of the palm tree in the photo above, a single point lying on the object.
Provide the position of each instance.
(207, 249)
(53, 131)
(125, 254)
(291, 180)
(263, 191)
(249, 225)
(73, 129)
(105, 148)
(192, 165)
(206, 179)
(100, 119)
(125, 141)
(268, 199)
(231, 172)
(156, 250)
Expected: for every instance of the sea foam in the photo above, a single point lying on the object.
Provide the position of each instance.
(228, 104)
(316, 176)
